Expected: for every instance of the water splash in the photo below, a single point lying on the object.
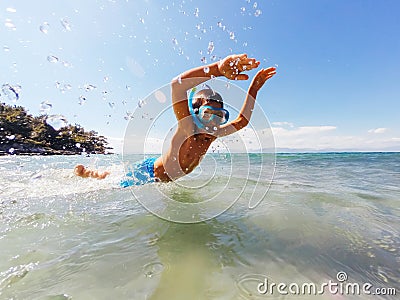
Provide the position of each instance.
(82, 100)
(257, 13)
(210, 47)
(11, 91)
(45, 106)
(52, 59)
(45, 27)
(89, 87)
(56, 121)
(10, 25)
(64, 23)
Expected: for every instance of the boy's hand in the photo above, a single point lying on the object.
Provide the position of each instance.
(261, 77)
(232, 66)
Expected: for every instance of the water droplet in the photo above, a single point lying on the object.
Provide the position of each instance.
(210, 48)
(10, 137)
(82, 100)
(174, 158)
(242, 9)
(215, 128)
(57, 121)
(232, 35)
(11, 92)
(78, 145)
(11, 150)
(89, 87)
(255, 5)
(203, 60)
(45, 27)
(128, 87)
(207, 128)
(111, 104)
(206, 70)
(179, 79)
(57, 85)
(6, 48)
(141, 103)
(196, 12)
(66, 64)
(9, 24)
(105, 79)
(11, 10)
(141, 20)
(258, 12)
(219, 24)
(45, 106)
(174, 41)
(67, 87)
(53, 59)
(64, 22)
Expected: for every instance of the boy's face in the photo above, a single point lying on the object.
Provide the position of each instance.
(207, 112)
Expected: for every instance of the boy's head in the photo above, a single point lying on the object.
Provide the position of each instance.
(207, 97)
(208, 106)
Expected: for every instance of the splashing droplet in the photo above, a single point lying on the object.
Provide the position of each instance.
(257, 13)
(57, 121)
(255, 5)
(141, 103)
(196, 12)
(45, 106)
(53, 59)
(11, 92)
(64, 22)
(141, 20)
(203, 60)
(175, 41)
(45, 27)
(11, 150)
(82, 100)
(9, 24)
(6, 49)
(210, 48)
(89, 87)
(153, 269)
(219, 24)
(11, 10)
(215, 128)
(105, 79)
(232, 35)
(206, 70)
(179, 79)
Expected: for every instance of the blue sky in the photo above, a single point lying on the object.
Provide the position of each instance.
(338, 61)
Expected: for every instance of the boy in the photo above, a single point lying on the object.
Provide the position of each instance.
(201, 119)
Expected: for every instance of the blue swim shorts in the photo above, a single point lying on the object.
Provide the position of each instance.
(140, 173)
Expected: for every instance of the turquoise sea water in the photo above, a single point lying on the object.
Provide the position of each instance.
(63, 237)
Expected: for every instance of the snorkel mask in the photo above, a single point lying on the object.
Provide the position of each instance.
(206, 114)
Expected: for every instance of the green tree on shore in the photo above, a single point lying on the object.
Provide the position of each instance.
(23, 134)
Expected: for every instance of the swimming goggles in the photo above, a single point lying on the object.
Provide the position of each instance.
(206, 114)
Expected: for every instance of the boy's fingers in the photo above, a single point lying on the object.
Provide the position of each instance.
(242, 77)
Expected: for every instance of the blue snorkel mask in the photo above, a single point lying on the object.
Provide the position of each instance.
(221, 115)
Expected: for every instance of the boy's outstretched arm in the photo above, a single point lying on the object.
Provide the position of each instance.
(247, 109)
(230, 67)
(81, 171)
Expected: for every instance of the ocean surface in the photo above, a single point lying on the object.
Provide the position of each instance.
(327, 217)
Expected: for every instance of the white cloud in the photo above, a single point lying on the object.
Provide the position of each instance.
(378, 130)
